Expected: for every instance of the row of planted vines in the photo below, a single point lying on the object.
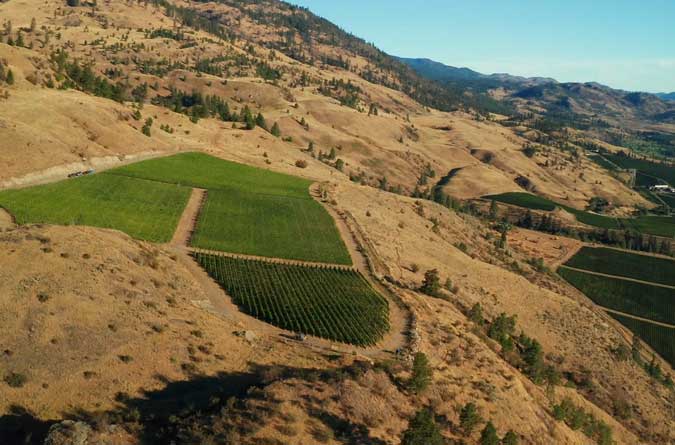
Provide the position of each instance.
(324, 301)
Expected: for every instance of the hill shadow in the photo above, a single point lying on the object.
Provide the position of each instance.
(182, 411)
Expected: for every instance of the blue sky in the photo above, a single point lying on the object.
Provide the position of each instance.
(621, 43)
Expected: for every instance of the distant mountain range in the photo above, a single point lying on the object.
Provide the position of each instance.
(443, 73)
(576, 100)
(666, 96)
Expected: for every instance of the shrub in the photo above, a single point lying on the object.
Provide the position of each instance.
(510, 438)
(15, 380)
(301, 163)
(489, 435)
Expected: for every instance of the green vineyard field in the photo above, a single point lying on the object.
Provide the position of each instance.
(651, 302)
(660, 338)
(203, 171)
(271, 226)
(145, 210)
(332, 303)
(616, 262)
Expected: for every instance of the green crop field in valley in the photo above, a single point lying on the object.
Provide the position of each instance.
(268, 225)
(660, 338)
(145, 210)
(203, 171)
(643, 300)
(327, 302)
(625, 264)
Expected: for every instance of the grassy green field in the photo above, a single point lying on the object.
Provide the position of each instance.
(268, 225)
(652, 302)
(204, 171)
(325, 302)
(616, 262)
(660, 338)
(659, 170)
(248, 210)
(143, 209)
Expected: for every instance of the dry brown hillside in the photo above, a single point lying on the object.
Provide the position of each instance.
(137, 343)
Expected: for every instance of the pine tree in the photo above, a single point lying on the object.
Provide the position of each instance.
(469, 418)
(19, 40)
(10, 77)
(432, 283)
(260, 121)
(276, 131)
(421, 373)
(489, 435)
(422, 430)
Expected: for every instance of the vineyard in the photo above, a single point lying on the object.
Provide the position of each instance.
(660, 338)
(247, 211)
(620, 263)
(145, 210)
(651, 302)
(329, 302)
(271, 226)
(203, 171)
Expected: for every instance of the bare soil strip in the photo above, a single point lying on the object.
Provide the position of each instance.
(617, 277)
(188, 221)
(270, 259)
(646, 320)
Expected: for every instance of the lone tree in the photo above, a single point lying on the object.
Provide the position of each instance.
(432, 283)
(10, 77)
(276, 131)
(469, 418)
(421, 373)
(422, 430)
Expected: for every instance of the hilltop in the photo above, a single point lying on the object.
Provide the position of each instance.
(135, 341)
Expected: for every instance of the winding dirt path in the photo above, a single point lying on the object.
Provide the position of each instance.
(188, 221)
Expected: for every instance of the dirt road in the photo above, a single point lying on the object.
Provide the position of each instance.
(188, 221)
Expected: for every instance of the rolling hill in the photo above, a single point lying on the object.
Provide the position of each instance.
(125, 338)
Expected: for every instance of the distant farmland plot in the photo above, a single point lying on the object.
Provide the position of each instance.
(326, 302)
(143, 209)
(616, 262)
(659, 170)
(208, 172)
(526, 200)
(268, 225)
(660, 338)
(651, 302)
